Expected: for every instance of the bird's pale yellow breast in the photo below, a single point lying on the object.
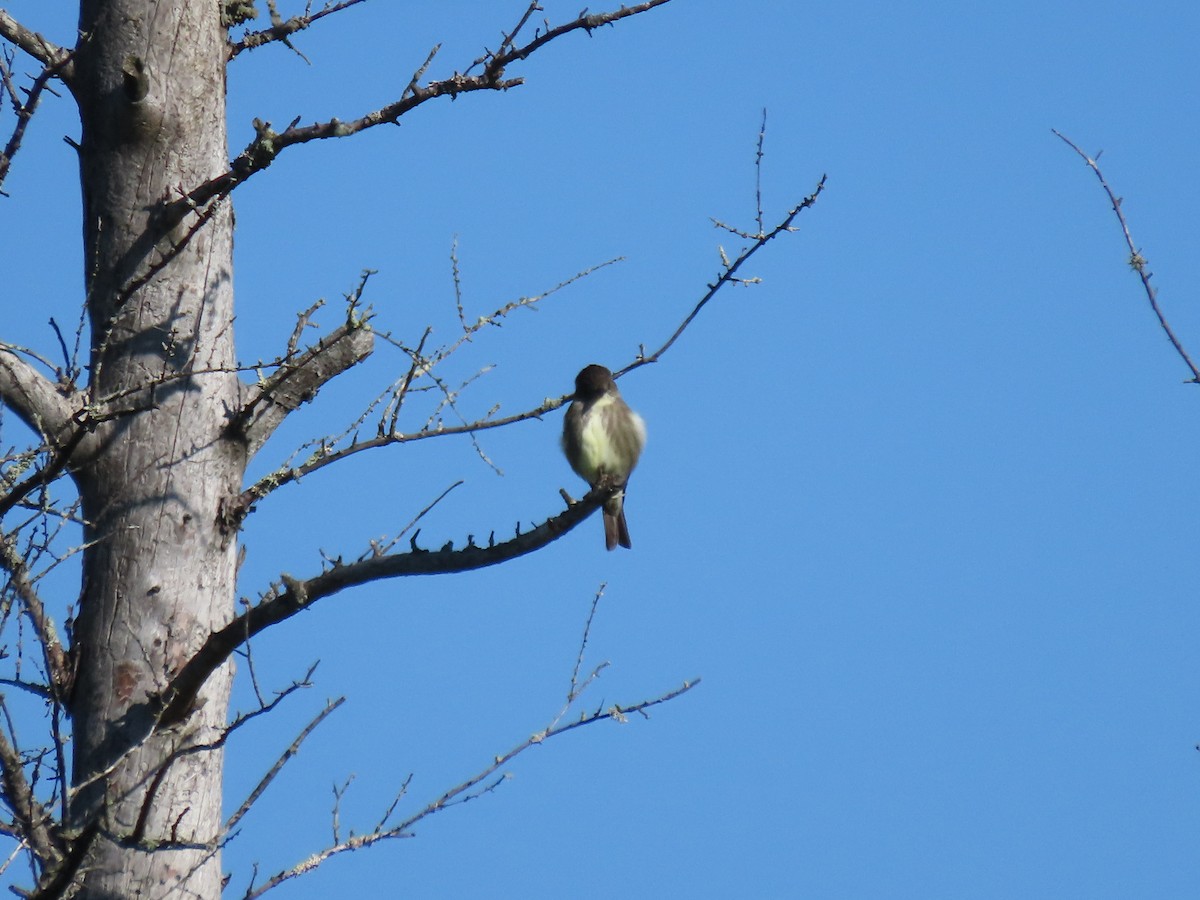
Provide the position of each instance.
(598, 449)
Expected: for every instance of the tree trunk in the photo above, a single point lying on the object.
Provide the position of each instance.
(159, 568)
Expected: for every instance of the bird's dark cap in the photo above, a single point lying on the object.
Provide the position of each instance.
(593, 381)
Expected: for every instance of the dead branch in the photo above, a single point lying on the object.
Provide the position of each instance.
(323, 452)
(327, 453)
(268, 143)
(1137, 261)
(76, 847)
(482, 782)
(24, 112)
(356, 842)
(139, 829)
(54, 656)
(326, 456)
(43, 475)
(577, 687)
(41, 404)
(298, 379)
(57, 881)
(287, 754)
(494, 319)
(728, 275)
(46, 52)
(84, 423)
(281, 30)
(32, 822)
(292, 595)
(378, 549)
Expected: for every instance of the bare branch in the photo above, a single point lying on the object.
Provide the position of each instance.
(287, 754)
(728, 275)
(576, 688)
(44, 406)
(357, 842)
(327, 456)
(377, 550)
(298, 380)
(139, 829)
(24, 112)
(268, 143)
(339, 791)
(20, 848)
(55, 882)
(509, 53)
(457, 276)
(758, 163)
(37, 690)
(48, 53)
(466, 791)
(166, 219)
(282, 30)
(44, 475)
(419, 73)
(1137, 261)
(63, 445)
(494, 319)
(54, 655)
(323, 452)
(84, 422)
(483, 782)
(293, 595)
(34, 824)
(303, 320)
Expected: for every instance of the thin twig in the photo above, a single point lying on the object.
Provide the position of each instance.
(483, 782)
(53, 654)
(287, 754)
(758, 163)
(25, 113)
(728, 275)
(268, 143)
(282, 29)
(1137, 261)
(293, 595)
(385, 548)
(325, 451)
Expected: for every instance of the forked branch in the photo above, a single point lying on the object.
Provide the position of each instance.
(32, 823)
(300, 376)
(729, 273)
(282, 29)
(486, 780)
(421, 375)
(326, 452)
(268, 143)
(24, 109)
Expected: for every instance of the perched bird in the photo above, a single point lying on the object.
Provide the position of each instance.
(603, 438)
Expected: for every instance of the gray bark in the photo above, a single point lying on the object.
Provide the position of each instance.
(159, 574)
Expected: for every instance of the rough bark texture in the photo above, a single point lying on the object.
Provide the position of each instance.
(159, 574)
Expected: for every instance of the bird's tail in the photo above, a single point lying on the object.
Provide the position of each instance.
(616, 531)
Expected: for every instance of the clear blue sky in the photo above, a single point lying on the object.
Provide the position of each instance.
(920, 508)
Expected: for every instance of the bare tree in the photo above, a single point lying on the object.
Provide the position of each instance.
(146, 447)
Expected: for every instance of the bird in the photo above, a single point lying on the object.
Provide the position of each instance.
(602, 439)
